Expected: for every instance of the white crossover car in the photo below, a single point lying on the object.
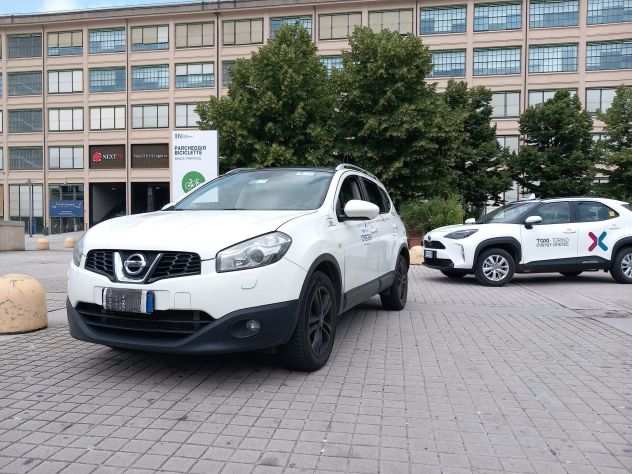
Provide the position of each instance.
(255, 259)
(567, 235)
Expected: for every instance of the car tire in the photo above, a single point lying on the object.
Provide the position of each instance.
(571, 274)
(621, 269)
(454, 274)
(495, 267)
(394, 299)
(311, 343)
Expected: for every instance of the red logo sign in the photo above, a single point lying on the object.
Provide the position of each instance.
(97, 157)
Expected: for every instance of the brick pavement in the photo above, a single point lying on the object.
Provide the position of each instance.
(466, 379)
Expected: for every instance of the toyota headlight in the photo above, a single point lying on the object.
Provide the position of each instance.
(461, 234)
(253, 253)
(77, 252)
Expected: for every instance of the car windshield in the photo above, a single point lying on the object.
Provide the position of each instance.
(628, 207)
(506, 214)
(261, 190)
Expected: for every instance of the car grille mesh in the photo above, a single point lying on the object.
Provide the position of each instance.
(433, 244)
(165, 325)
(170, 265)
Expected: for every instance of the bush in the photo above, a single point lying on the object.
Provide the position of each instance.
(423, 216)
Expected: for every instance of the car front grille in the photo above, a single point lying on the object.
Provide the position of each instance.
(169, 265)
(165, 325)
(433, 244)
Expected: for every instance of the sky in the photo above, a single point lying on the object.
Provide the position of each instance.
(8, 7)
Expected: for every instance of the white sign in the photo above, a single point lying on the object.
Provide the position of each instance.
(193, 160)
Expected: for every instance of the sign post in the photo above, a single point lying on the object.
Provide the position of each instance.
(193, 160)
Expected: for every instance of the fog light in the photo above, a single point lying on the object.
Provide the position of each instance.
(253, 325)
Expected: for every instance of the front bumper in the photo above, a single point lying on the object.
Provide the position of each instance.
(227, 334)
(448, 254)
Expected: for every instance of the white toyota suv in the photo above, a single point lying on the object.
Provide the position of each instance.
(255, 259)
(566, 235)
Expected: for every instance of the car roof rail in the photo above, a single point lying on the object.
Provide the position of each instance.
(237, 170)
(349, 166)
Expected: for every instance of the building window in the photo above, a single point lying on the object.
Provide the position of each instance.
(66, 207)
(65, 120)
(331, 63)
(110, 79)
(278, 22)
(338, 25)
(195, 75)
(553, 13)
(1, 165)
(238, 32)
(150, 116)
(448, 63)
(609, 55)
(400, 21)
(107, 118)
(1, 126)
(149, 38)
(450, 19)
(25, 83)
(186, 116)
(609, 11)
(511, 142)
(195, 35)
(65, 43)
(150, 77)
(505, 104)
(497, 16)
(65, 82)
(227, 73)
(25, 121)
(496, 61)
(553, 58)
(107, 40)
(26, 203)
(25, 158)
(599, 99)
(65, 157)
(541, 96)
(25, 46)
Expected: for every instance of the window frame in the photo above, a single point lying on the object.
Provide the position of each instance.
(504, 140)
(284, 19)
(237, 21)
(601, 90)
(579, 203)
(12, 74)
(338, 207)
(59, 111)
(143, 106)
(76, 50)
(118, 29)
(603, 2)
(143, 46)
(571, 215)
(72, 72)
(114, 110)
(74, 157)
(432, 74)
(188, 65)
(25, 147)
(349, 15)
(556, 60)
(160, 68)
(187, 105)
(31, 36)
(497, 48)
(110, 68)
(193, 23)
(227, 64)
(399, 11)
(506, 115)
(489, 6)
(41, 124)
(623, 42)
(572, 91)
(541, 20)
(443, 8)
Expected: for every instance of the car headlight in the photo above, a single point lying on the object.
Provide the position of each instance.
(461, 234)
(257, 252)
(77, 252)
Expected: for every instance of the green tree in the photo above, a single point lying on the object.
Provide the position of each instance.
(618, 143)
(279, 107)
(557, 158)
(479, 170)
(389, 119)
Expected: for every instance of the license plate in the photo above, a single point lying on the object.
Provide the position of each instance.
(128, 301)
(429, 254)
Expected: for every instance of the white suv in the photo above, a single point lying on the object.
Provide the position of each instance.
(568, 235)
(252, 260)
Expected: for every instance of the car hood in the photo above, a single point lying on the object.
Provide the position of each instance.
(202, 232)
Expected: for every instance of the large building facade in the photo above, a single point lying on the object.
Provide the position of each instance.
(89, 99)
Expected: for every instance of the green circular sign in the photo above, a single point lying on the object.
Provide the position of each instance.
(192, 180)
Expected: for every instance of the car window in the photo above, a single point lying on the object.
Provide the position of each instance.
(386, 200)
(628, 207)
(349, 190)
(506, 214)
(554, 213)
(373, 195)
(594, 212)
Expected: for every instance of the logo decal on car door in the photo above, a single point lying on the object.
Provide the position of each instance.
(598, 241)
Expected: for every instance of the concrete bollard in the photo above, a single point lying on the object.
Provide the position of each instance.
(42, 244)
(22, 304)
(69, 243)
(417, 255)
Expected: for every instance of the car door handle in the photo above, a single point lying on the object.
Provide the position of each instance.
(570, 231)
(614, 227)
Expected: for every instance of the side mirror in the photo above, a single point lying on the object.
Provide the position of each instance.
(470, 221)
(531, 221)
(167, 206)
(361, 210)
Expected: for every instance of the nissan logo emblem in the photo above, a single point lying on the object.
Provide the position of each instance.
(135, 264)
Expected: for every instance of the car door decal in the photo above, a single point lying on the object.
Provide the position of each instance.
(598, 241)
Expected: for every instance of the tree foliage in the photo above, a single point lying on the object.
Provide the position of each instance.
(389, 120)
(618, 144)
(279, 108)
(479, 170)
(557, 158)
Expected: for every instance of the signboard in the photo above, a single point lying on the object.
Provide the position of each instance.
(66, 208)
(107, 157)
(150, 156)
(193, 160)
